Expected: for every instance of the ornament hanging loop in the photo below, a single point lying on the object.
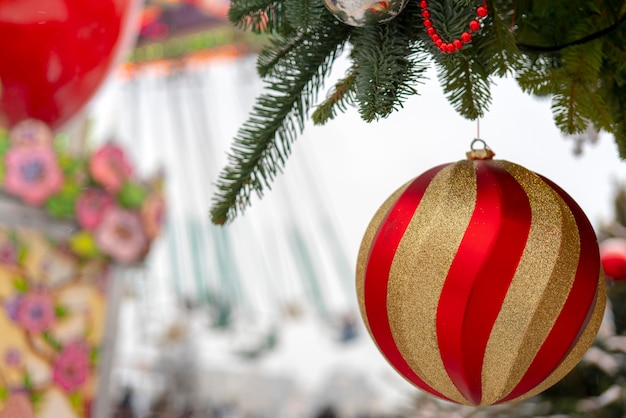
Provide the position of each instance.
(475, 153)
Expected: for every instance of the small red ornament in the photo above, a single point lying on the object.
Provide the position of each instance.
(56, 54)
(480, 281)
(428, 23)
(613, 256)
(431, 31)
(466, 37)
(481, 11)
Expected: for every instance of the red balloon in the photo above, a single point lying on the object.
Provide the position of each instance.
(55, 54)
(613, 257)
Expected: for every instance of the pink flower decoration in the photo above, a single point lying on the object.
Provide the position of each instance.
(152, 214)
(8, 253)
(32, 174)
(31, 133)
(109, 167)
(71, 367)
(13, 357)
(11, 306)
(121, 235)
(91, 206)
(35, 311)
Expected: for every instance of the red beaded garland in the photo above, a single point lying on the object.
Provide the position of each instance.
(455, 44)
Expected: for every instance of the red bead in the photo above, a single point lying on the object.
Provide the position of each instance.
(425, 14)
(429, 23)
(431, 31)
(458, 44)
(466, 37)
(474, 25)
(443, 46)
(481, 11)
(439, 42)
(435, 37)
(423, 4)
(451, 48)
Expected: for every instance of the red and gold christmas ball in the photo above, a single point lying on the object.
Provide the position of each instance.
(480, 281)
(613, 257)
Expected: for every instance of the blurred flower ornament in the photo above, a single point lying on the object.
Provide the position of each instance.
(31, 133)
(91, 206)
(8, 253)
(109, 167)
(121, 235)
(13, 357)
(118, 216)
(71, 367)
(11, 307)
(32, 174)
(35, 311)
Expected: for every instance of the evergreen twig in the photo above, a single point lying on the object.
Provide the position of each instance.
(581, 68)
(341, 95)
(465, 84)
(263, 143)
(259, 16)
(387, 65)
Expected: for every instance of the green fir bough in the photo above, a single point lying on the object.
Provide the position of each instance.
(571, 51)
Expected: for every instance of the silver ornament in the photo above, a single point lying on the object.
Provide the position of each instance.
(365, 12)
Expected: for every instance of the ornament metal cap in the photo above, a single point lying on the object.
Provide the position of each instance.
(484, 153)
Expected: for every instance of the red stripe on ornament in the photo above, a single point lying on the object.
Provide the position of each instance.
(576, 311)
(385, 244)
(480, 275)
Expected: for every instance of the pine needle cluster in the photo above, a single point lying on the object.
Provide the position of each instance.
(571, 51)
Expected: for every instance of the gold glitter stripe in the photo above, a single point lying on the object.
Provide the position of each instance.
(538, 291)
(366, 245)
(420, 267)
(579, 349)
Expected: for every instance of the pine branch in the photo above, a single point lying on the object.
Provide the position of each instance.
(263, 143)
(572, 105)
(574, 53)
(495, 44)
(304, 14)
(387, 65)
(259, 16)
(619, 116)
(451, 17)
(273, 58)
(339, 98)
(616, 100)
(465, 84)
(539, 78)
